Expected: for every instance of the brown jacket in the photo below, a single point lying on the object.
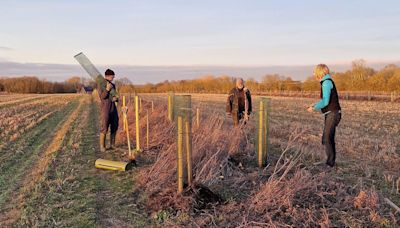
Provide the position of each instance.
(239, 101)
(107, 103)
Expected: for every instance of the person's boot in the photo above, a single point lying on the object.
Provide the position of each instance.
(102, 142)
(112, 141)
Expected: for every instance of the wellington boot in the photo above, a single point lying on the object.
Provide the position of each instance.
(102, 142)
(112, 141)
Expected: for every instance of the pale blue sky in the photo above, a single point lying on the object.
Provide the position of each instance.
(185, 32)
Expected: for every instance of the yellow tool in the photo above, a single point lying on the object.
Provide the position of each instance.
(111, 165)
(116, 165)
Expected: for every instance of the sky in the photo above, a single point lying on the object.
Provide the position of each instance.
(177, 34)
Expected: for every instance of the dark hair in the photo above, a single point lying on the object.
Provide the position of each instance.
(109, 72)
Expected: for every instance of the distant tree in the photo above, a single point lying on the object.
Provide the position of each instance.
(310, 84)
(341, 81)
(273, 82)
(289, 84)
(359, 78)
(253, 85)
(359, 75)
(75, 83)
(393, 84)
(34, 85)
(379, 81)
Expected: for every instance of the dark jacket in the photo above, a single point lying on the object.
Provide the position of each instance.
(333, 104)
(239, 101)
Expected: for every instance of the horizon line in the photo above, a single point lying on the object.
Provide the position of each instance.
(345, 62)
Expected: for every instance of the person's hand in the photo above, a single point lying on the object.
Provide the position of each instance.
(109, 86)
(246, 117)
(310, 109)
(115, 99)
(125, 110)
(228, 114)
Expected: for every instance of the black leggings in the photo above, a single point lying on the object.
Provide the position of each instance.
(332, 120)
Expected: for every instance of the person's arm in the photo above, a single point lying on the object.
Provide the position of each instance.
(248, 96)
(326, 94)
(114, 93)
(101, 87)
(104, 93)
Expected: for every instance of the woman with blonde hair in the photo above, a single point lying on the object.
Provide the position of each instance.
(330, 108)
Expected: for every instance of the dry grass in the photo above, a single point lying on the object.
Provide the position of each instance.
(210, 163)
(22, 115)
(291, 190)
(229, 189)
(36, 173)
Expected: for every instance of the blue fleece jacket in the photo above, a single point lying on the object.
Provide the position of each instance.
(326, 93)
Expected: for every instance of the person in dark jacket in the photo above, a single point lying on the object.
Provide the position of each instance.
(330, 108)
(109, 112)
(238, 104)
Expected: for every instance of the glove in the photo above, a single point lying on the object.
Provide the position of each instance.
(109, 86)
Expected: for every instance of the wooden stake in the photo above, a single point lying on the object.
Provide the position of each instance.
(130, 154)
(198, 117)
(125, 121)
(137, 123)
(126, 128)
(147, 129)
(123, 106)
(188, 136)
(266, 131)
(180, 156)
(261, 135)
(152, 106)
(170, 104)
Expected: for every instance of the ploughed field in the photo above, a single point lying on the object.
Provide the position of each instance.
(48, 145)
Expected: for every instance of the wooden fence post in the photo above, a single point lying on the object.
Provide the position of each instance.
(183, 121)
(170, 106)
(126, 129)
(147, 130)
(198, 117)
(188, 135)
(123, 106)
(262, 139)
(137, 123)
(180, 156)
(260, 135)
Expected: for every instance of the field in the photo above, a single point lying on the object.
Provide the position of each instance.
(49, 144)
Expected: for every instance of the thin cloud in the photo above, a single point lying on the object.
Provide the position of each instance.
(3, 48)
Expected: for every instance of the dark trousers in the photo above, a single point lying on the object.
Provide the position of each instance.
(332, 120)
(237, 117)
(109, 120)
